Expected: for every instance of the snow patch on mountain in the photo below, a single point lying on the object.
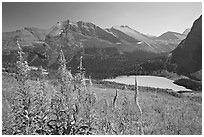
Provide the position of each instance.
(131, 32)
(110, 32)
(139, 42)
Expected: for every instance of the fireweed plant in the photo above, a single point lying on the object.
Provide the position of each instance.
(72, 108)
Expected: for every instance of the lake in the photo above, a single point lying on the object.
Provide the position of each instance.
(149, 81)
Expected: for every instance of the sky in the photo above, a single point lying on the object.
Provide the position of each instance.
(149, 18)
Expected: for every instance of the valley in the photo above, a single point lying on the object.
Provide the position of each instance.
(75, 76)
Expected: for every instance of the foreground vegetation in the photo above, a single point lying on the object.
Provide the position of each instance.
(69, 105)
(162, 112)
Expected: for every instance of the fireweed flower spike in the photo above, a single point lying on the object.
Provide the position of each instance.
(22, 65)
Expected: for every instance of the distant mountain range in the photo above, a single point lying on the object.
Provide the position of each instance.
(185, 59)
(103, 49)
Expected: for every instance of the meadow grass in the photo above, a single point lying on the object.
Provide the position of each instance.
(163, 114)
(70, 106)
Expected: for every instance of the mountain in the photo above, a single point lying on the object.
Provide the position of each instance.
(107, 52)
(188, 55)
(138, 40)
(131, 32)
(9, 39)
(171, 36)
(150, 36)
(185, 59)
(143, 42)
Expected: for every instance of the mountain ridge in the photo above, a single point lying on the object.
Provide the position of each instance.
(112, 47)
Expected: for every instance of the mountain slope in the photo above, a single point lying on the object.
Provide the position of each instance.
(188, 55)
(186, 31)
(171, 36)
(145, 43)
(9, 39)
(131, 32)
(107, 52)
(40, 34)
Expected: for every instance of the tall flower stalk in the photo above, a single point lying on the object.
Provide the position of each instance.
(137, 107)
(65, 75)
(81, 71)
(21, 104)
(22, 65)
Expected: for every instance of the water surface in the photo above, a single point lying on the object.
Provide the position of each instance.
(149, 81)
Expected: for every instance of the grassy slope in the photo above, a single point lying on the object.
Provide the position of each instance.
(162, 113)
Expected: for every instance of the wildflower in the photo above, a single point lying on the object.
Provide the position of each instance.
(82, 70)
(65, 74)
(22, 65)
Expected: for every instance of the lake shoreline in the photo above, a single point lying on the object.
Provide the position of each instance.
(149, 81)
(191, 95)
